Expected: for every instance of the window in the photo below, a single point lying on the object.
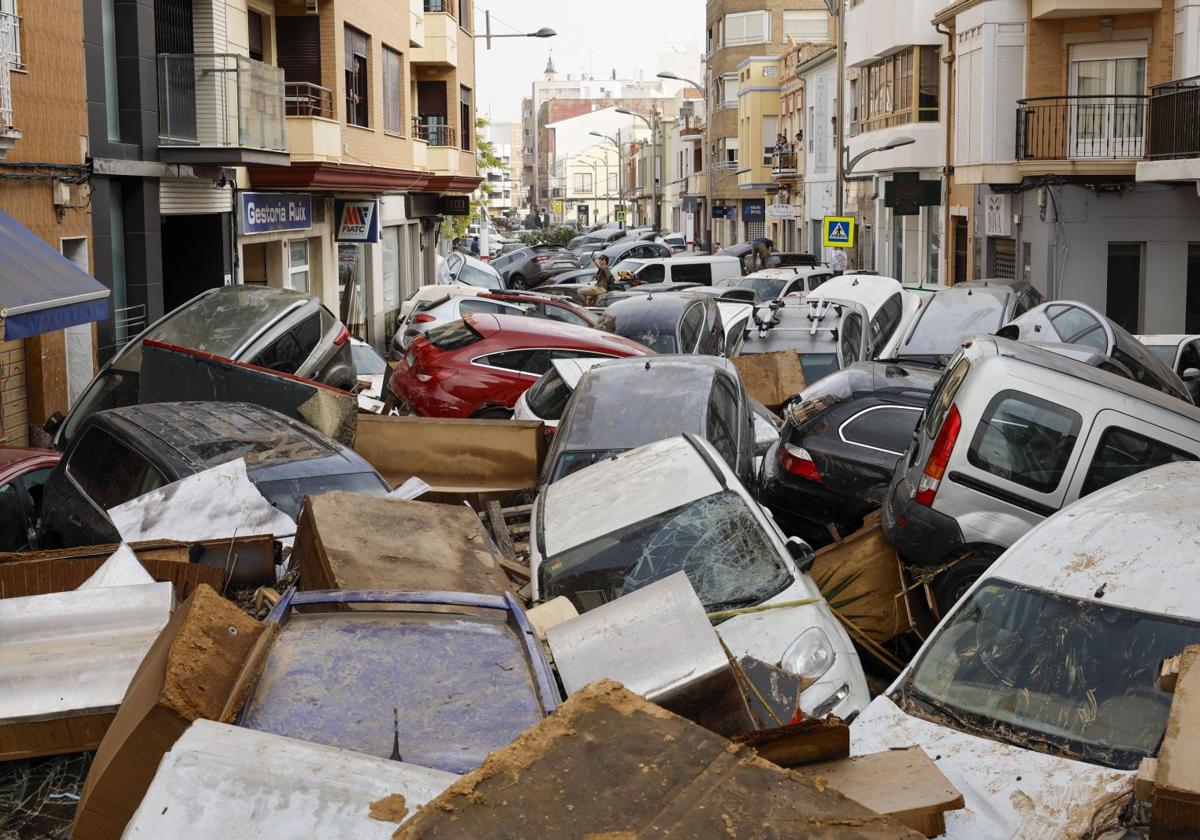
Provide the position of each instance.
(452, 336)
(534, 362)
(583, 182)
(561, 313)
(254, 32)
(692, 273)
(108, 33)
(9, 7)
(393, 91)
(852, 328)
(14, 529)
(392, 237)
(747, 28)
(466, 125)
(806, 26)
(297, 278)
(721, 424)
(435, 5)
(357, 73)
(883, 325)
(474, 306)
(464, 14)
(729, 86)
(1077, 326)
(1122, 453)
(288, 352)
(689, 329)
(770, 131)
(1026, 440)
(653, 273)
(548, 397)
(902, 88)
(886, 428)
(109, 472)
(731, 152)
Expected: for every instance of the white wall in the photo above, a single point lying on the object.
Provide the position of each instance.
(877, 28)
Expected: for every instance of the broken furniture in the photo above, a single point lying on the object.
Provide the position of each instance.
(440, 683)
(610, 763)
(221, 781)
(66, 658)
(355, 541)
(1170, 784)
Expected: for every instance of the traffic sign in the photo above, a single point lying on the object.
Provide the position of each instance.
(838, 232)
(558, 207)
(619, 215)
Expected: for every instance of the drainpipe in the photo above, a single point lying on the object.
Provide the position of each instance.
(948, 60)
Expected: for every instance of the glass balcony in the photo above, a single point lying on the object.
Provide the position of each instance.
(220, 109)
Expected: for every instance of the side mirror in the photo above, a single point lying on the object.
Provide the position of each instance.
(53, 423)
(1190, 374)
(801, 552)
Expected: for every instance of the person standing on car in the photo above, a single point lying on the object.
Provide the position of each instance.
(602, 283)
(762, 248)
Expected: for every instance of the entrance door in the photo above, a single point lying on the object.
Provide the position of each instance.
(352, 291)
(196, 255)
(1124, 301)
(962, 243)
(1107, 115)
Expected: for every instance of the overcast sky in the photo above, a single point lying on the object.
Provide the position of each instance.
(594, 36)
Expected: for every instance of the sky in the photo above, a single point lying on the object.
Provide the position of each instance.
(593, 37)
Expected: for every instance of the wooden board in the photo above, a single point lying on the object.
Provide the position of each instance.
(806, 742)
(61, 574)
(1175, 808)
(903, 784)
(771, 378)
(860, 578)
(611, 764)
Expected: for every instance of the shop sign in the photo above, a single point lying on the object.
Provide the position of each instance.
(998, 215)
(454, 205)
(266, 212)
(753, 210)
(357, 221)
(781, 211)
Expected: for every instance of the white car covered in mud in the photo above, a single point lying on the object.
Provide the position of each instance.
(675, 505)
(1037, 694)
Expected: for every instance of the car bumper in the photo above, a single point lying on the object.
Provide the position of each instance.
(793, 497)
(923, 536)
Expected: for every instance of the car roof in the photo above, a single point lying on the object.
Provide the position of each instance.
(689, 259)
(543, 332)
(646, 310)
(866, 378)
(871, 290)
(221, 321)
(787, 272)
(619, 491)
(1134, 541)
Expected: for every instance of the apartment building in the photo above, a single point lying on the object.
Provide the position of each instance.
(297, 144)
(589, 122)
(591, 184)
(1074, 152)
(504, 180)
(683, 173)
(744, 38)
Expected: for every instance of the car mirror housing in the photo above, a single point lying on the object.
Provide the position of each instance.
(1190, 374)
(802, 553)
(53, 423)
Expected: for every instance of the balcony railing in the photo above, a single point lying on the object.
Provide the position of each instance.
(784, 164)
(1173, 123)
(435, 134)
(304, 99)
(220, 101)
(1081, 127)
(10, 57)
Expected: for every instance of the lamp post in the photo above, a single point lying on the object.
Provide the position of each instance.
(616, 142)
(652, 123)
(488, 35)
(889, 145)
(707, 158)
(595, 161)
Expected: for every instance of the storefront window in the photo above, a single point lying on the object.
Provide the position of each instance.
(352, 289)
(297, 277)
(391, 277)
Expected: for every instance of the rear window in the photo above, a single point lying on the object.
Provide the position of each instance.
(1026, 440)
(288, 494)
(548, 397)
(452, 336)
(887, 428)
(943, 396)
(947, 320)
(1077, 326)
(109, 472)
(817, 366)
(1122, 453)
(288, 352)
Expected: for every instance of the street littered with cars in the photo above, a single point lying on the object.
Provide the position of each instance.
(826, 336)
(955, 313)
(668, 323)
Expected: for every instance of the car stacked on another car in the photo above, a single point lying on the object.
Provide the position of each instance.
(890, 307)
(534, 265)
(546, 399)
(668, 323)
(772, 283)
(826, 336)
(955, 313)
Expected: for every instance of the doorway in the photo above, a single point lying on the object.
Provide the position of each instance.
(1124, 302)
(196, 255)
(962, 244)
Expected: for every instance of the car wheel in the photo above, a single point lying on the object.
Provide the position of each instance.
(953, 583)
(517, 282)
(494, 413)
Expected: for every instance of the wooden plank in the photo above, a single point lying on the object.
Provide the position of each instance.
(500, 531)
(1175, 808)
(518, 512)
(517, 570)
(860, 577)
(41, 576)
(807, 742)
(1143, 785)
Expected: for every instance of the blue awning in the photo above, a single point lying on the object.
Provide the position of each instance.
(40, 289)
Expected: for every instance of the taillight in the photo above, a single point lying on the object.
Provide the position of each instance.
(935, 467)
(423, 318)
(342, 337)
(797, 461)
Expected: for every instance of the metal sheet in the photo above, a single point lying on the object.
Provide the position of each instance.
(71, 653)
(654, 641)
(228, 782)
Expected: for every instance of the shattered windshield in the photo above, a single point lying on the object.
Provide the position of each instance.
(715, 541)
(1051, 673)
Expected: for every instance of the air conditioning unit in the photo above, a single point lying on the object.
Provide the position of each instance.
(310, 7)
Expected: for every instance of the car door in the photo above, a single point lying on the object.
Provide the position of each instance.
(857, 453)
(1120, 445)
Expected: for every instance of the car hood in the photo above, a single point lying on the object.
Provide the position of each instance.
(1009, 792)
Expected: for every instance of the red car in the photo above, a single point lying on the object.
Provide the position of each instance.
(22, 474)
(479, 366)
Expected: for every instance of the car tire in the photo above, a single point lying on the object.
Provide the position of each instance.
(493, 413)
(517, 282)
(952, 584)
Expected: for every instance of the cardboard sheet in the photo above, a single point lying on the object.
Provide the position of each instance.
(771, 378)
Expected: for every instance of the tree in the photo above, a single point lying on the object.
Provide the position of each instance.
(454, 227)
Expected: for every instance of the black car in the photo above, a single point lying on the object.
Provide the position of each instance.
(530, 267)
(627, 403)
(778, 259)
(123, 453)
(670, 323)
(839, 446)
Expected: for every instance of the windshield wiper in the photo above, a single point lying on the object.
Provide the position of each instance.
(939, 707)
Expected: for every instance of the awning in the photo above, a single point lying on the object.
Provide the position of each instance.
(40, 289)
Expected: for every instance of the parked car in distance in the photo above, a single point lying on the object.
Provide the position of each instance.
(286, 331)
(1181, 353)
(473, 272)
(546, 399)
(677, 242)
(955, 313)
(675, 505)
(633, 248)
(839, 446)
(684, 268)
(826, 336)
(23, 474)
(1039, 691)
(624, 404)
(1072, 322)
(369, 367)
(436, 312)
(671, 323)
(1012, 434)
(124, 453)
(479, 366)
(533, 265)
(890, 309)
(778, 259)
(771, 283)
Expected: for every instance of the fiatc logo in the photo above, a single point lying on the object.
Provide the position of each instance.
(355, 222)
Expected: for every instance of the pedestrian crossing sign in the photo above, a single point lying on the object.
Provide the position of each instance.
(838, 232)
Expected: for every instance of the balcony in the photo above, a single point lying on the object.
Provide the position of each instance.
(785, 166)
(313, 132)
(434, 134)
(1173, 132)
(441, 41)
(1044, 9)
(416, 23)
(220, 109)
(1095, 134)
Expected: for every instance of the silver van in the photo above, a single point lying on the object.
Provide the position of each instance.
(1011, 434)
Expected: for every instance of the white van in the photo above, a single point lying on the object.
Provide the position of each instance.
(705, 270)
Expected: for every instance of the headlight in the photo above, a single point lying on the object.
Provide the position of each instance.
(810, 656)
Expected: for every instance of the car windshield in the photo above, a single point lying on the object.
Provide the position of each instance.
(573, 462)
(817, 366)
(366, 361)
(1166, 352)
(765, 288)
(715, 541)
(548, 397)
(452, 336)
(474, 276)
(288, 494)
(949, 319)
(1051, 673)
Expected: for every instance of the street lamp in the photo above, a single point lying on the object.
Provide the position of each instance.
(891, 144)
(544, 32)
(708, 168)
(652, 124)
(616, 142)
